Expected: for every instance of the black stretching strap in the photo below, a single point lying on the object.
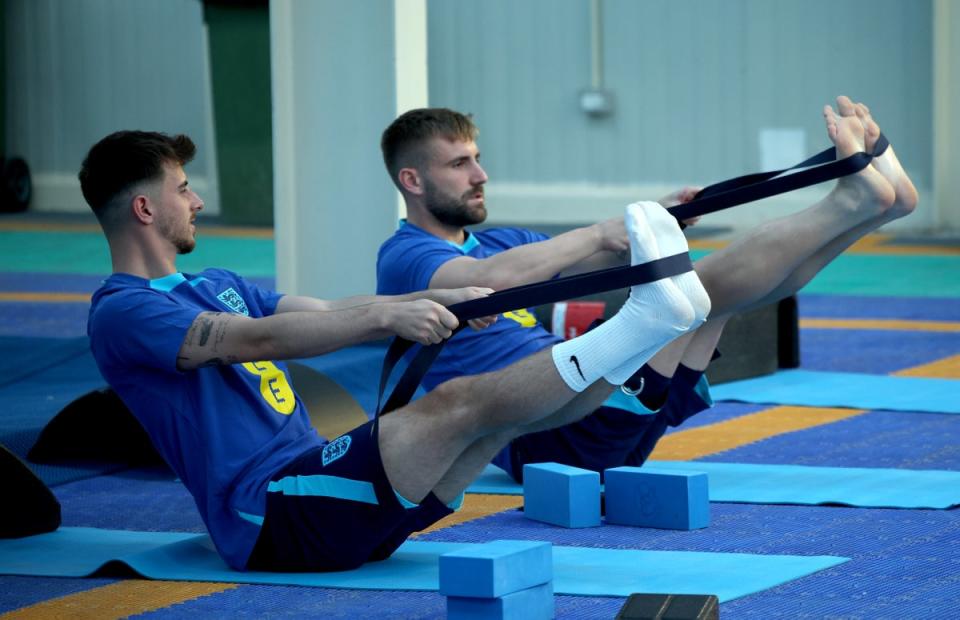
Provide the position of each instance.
(821, 167)
(824, 166)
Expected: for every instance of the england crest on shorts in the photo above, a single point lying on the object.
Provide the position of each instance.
(231, 299)
(335, 449)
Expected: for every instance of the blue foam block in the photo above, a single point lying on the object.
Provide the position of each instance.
(529, 604)
(496, 568)
(561, 495)
(647, 497)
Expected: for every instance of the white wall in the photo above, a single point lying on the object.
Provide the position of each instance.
(946, 58)
(341, 74)
(695, 84)
(77, 71)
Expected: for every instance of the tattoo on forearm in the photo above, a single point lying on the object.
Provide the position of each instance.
(206, 325)
(221, 331)
(208, 331)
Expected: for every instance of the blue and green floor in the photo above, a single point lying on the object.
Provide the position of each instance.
(887, 307)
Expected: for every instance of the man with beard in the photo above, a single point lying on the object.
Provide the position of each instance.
(194, 358)
(433, 159)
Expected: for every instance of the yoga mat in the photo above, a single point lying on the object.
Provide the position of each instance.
(77, 552)
(795, 484)
(845, 389)
(850, 486)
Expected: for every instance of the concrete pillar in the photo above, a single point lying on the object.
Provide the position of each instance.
(341, 72)
(946, 105)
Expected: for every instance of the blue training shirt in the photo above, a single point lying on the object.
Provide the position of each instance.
(407, 261)
(223, 429)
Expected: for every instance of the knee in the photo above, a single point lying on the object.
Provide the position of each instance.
(451, 402)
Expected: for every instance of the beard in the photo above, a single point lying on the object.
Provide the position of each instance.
(454, 211)
(185, 245)
(183, 239)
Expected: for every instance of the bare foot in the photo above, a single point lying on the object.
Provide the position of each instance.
(868, 192)
(889, 166)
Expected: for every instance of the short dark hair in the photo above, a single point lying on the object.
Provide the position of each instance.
(402, 141)
(125, 158)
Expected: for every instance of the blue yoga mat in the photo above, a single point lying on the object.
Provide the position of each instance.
(79, 552)
(850, 486)
(845, 389)
(795, 484)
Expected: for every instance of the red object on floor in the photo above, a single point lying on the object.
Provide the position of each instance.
(572, 318)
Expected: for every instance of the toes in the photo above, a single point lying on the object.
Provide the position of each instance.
(829, 116)
(846, 106)
(870, 128)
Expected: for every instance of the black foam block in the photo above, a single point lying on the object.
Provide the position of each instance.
(670, 607)
(30, 507)
(748, 347)
(96, 426)
(788, 333)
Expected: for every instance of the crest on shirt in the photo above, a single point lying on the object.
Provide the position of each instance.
(231, 299)
(335, 449)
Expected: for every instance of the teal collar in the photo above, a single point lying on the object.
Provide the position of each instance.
(469, 244)
(172, 281)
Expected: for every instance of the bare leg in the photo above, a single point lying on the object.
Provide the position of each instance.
(703, 343)
(755, 266)
(419, 443)
(904, 204)
(695, 349)
(476, 457)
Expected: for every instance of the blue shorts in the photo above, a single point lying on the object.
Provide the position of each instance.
(334, 509)
(608, 437)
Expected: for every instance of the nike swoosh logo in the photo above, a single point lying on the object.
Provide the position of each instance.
(573, 358)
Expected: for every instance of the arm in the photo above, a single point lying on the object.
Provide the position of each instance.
(306, 327)
(226, 338)
(534, 262)
(614, 258)
(444, 297)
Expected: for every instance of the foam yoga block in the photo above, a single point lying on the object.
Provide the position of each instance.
(647, 497)
(32, 508)
(561, 495)
(496, 568)
(528, 604)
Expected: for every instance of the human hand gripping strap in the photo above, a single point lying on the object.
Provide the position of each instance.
(822, 167)
(506, 300)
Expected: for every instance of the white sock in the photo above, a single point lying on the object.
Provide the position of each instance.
(653, 315)
(670, 240)
(614, 344)
(645, 224)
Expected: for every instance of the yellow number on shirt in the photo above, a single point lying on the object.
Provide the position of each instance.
(273, 386)
(522, 316)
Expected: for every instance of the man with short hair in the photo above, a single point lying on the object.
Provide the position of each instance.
(433, 159)
(197, 360)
